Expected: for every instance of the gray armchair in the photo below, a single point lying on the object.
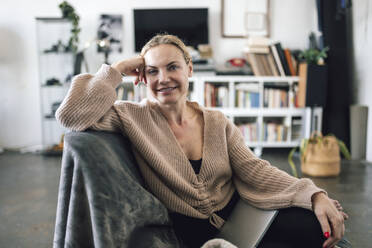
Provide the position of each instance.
(102, 201)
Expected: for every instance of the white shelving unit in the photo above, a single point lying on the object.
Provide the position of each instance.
(55, 72)
(297, 122)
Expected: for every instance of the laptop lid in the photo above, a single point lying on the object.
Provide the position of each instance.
(247, 225)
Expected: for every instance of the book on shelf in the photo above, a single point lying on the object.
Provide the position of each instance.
(259, 49)
(142, 92)
(256, 52)
(269, 58)
(296, 128)
(273, 66)
(247, 95)
(274, 132)
(276, 95)
(301, 93)
(249, 131)
(277, 60)
(263, 61)
(257, 41)
(290, 61)
(216, 95)
(282, 58)
(125, 92)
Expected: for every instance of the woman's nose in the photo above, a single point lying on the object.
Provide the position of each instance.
(163, 76)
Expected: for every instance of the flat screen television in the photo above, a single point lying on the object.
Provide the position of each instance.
(189, 24)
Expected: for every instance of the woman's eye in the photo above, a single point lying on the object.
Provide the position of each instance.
(172, 67)
(151, 72)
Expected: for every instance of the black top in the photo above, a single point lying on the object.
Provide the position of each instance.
(196, 165)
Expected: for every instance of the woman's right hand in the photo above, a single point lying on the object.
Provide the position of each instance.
(132, 67)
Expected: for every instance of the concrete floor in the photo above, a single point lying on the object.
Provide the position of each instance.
(29, 193)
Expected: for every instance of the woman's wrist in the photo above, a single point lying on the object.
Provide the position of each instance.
(117, 68)
(317, 196)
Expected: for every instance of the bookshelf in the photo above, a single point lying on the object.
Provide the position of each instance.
(265, 123)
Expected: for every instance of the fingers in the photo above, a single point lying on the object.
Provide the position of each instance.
(340, 209)
(344, 215)
(323, 220)
(140, 77)
(337, 205)
(337, 229)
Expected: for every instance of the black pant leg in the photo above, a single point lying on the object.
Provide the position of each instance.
(294, 227)
(192, 232)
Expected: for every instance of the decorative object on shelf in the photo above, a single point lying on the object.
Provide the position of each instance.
(244, 18)
(79, 59)
(205, 51)
(55, 106)
(69, 13)
(314, 55)
(313, 73)
(55, 150)
(109, 35)
(52, 81)
(57, 48)
(320, 155)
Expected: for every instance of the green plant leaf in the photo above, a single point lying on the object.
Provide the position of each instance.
(68, 12)
(313, 56)
(291, 163)
(303, 146)
(344, 149)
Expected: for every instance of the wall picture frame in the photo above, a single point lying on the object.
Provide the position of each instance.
(244, 18)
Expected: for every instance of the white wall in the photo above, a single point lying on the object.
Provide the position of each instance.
(362, 27)
(20, 121)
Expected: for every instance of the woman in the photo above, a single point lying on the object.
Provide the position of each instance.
(193, 159)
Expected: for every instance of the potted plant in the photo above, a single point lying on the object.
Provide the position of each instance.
(314, 56)
(313, 74)
(69, 13)
(319, 155)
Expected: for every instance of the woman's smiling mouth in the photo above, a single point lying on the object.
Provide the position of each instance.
(166, 90)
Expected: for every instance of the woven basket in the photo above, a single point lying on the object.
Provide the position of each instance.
(321, 156)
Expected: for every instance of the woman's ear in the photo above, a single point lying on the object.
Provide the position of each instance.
(190, 66)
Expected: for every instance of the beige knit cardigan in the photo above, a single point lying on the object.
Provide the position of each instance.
(227, 164)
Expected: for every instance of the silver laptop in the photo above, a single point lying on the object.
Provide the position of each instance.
(247, 225)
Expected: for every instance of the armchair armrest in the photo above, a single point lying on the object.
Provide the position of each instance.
(102, 201)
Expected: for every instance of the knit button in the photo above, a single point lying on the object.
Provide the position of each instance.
(198, 185)
(203, 208)
(203, 196)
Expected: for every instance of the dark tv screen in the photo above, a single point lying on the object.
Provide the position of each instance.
(191, 25)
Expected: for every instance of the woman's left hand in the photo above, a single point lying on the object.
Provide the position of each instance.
(330, 218)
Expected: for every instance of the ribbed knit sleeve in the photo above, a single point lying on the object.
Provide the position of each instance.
(90, 100)
(262, 184)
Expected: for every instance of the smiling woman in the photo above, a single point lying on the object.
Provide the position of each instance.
(193, 159)
(167, 73)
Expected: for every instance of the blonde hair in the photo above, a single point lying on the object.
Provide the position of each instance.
(169, 39)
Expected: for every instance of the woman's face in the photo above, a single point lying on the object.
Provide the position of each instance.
(167, 73)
